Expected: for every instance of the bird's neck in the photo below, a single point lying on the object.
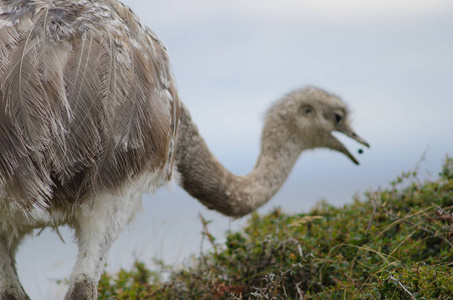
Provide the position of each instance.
(206, 179)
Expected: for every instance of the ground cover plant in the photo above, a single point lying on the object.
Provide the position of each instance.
(390, 244)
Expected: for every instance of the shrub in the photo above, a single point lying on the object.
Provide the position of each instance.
(393, 244)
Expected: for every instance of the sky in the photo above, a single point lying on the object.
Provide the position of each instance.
(390, 61)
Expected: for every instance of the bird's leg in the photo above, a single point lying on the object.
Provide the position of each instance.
(97, 226)
(94, 240)
(10, 287)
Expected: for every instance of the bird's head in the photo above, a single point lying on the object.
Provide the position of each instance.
(311, 115)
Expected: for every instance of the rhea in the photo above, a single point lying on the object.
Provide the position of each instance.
(90, 119)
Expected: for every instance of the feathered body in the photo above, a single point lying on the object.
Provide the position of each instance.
(87, 101)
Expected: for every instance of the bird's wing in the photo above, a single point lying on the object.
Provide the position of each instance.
(87, 100)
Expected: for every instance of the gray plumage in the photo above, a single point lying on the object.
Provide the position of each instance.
(87, 100)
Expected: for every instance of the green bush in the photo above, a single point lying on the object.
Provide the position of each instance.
(393, 244)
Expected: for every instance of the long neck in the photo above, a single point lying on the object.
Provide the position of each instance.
(206, 179)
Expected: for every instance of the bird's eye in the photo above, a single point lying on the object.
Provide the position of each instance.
(306, 110)
(338, 117)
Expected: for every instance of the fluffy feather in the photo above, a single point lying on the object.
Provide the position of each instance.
(83, 107)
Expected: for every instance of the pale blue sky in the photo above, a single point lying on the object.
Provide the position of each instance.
(391, 61)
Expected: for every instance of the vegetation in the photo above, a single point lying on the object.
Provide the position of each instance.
(393, 244)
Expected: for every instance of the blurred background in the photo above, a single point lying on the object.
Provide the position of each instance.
(391, 61)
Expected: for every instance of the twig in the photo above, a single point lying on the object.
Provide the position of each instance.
(402, 286)
(207, 234)
(424, 154)
(374, 202)
(299, 291)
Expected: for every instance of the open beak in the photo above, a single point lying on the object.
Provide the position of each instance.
(338, 146)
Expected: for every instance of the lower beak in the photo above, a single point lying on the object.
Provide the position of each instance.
(338, 146)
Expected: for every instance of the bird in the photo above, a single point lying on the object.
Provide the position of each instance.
(90, 120)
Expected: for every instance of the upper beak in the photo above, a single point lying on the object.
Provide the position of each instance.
(338, 146)
(354, 136)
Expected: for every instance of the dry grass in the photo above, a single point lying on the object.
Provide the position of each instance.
(392, 244)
